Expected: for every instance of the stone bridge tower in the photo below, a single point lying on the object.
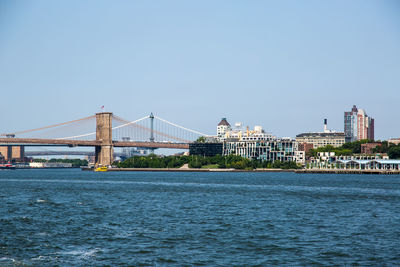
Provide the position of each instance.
(104, 153)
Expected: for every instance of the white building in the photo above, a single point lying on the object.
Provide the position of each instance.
(222, 128)
(49, 165)
(238, 133)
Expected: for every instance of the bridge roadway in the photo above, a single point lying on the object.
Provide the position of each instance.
(94, 143)
(65, 153)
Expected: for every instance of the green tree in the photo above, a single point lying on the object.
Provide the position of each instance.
(201, 139)
(394, 152)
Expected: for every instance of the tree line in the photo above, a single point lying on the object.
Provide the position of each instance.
(216, 162)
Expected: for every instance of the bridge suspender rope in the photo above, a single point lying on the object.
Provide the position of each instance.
(51, 126)
(184, 128)
(132, 122)
(148, 129)
(93, 133)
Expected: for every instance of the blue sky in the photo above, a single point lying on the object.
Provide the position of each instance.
(285, 65)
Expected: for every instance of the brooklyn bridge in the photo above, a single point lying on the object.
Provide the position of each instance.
(105, 131)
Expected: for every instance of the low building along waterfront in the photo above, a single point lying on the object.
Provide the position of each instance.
(321, 139)
(205, 149)
(50, 165)
(378, 164)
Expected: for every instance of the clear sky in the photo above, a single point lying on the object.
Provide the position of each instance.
(285, 65)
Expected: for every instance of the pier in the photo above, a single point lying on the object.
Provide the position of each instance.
(347, 171)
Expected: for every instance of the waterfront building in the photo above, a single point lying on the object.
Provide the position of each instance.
(358, 125)
(222, 128)
(205, 149)
(257, 144)
(321, 139)
(50, 165)
(376, 164)
(225, 132)
(394, 141)
(257, 134)
(357, 164)
(329, 160)
(265, 150)
(305, 147)
(368, 147)
(300, 157)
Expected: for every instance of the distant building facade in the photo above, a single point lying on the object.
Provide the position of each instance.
(222, 128)
(49, 165)
(271, 150)
(305, 147)
(128, 152)
(253, 144)
(394, 141)
(368, 148)
(358, 125)
(205, 149)
(320, 139)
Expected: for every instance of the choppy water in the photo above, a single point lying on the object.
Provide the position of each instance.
(70, 217)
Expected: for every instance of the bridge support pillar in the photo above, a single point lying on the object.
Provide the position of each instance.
(13, 153)
(105, 152)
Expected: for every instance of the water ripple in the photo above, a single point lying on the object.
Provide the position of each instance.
(74, 218)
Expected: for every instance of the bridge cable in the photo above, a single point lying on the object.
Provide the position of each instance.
(184, 128)
(92, 133)
(155, 131)
(51, 126)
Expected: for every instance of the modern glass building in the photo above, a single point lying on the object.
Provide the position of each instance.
(270, 150)
(205, 149)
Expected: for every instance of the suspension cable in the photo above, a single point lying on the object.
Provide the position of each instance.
(149, 130)
(51, 126)
(83, 135)
(184, 128)
(76, 136)
(132, 122)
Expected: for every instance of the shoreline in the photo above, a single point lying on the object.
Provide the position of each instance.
(354, 171)
(297, 171)
(195, 170)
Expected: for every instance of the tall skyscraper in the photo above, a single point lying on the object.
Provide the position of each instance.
(358, 126)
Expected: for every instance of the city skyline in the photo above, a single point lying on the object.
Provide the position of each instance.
(285, 66)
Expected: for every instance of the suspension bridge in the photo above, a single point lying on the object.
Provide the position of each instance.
(105, 131)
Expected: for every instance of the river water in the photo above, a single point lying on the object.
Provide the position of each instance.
(74, 218)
